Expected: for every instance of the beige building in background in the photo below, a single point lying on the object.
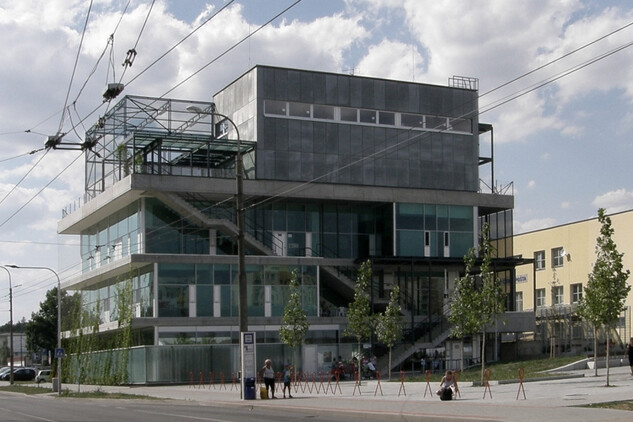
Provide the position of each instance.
(563, 258)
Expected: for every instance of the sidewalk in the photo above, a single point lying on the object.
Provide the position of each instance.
(545, 400)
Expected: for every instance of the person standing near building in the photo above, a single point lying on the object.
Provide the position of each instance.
(629, 352)
(269, 378)
(287, 377)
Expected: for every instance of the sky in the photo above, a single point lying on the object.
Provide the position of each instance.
(554, 81)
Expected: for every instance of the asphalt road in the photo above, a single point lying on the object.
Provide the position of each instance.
(21, 408)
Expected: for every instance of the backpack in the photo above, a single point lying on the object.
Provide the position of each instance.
(447, 394)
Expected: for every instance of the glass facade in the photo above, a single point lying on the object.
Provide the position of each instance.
(99, 301)
(427, 230)
(167, 232)
(115, 237)
(210, 290)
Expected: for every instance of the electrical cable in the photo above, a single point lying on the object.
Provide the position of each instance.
(61, 123)
(131, 54)
(22, 155)
(40, 191)
(15, 186)
(179, 42)
(234, 46)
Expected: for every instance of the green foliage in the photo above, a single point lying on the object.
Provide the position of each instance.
(41, 330)
(360, 321)
(477, 301)
(295, 321)
(110, 367)
(607, 287)
(389, 324)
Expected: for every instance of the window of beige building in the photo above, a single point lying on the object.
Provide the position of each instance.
(557, 295)
(539, 260)
(519, 301)
(557, 257)
(540, 297)
(576, 292)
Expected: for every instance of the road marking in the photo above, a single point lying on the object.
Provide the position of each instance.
(26, 414)
(183, 416)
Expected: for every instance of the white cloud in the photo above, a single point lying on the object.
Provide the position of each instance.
(531, 184)
(565, 205)
(614, 201)
(392, 60)
(534, 224)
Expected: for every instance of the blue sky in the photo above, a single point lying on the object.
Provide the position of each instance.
(566, 148)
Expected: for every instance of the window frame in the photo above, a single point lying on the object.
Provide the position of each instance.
(540, 297)
(558, 295)
(539, 264)
(575, 291)
(557, 257)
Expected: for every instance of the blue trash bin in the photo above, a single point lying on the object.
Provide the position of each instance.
(249, 388)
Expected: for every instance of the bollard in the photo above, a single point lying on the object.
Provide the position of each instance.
(402, 389)
(378, 384)
(487, 383)
(521, 387)
(428, 383)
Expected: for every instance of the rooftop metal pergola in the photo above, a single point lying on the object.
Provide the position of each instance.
(146, 135)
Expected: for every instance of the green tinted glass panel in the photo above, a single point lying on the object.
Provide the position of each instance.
(410, 243)
(204, 301)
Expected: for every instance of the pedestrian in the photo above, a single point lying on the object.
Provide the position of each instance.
(448, 386)
(269, 378)
(629, 352)
(287, 376)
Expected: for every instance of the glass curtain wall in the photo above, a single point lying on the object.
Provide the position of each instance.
(210, 290)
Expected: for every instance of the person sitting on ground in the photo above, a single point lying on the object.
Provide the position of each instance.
(448, 386)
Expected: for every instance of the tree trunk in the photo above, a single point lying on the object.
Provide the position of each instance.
(595, 351)
(483, 357)
(607, 363)
(294, 364)
(389, 363)
(461, 357)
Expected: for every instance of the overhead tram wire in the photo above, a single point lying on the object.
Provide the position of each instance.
(271, 199)
(179, 42)
(519, 94)
(22, 155)
(557, 77)
(61, 123)
(15, 186)
(40, 191)
(556, 60)
(131, 54)
(225, 52)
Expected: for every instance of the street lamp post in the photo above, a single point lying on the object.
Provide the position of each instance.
(242, 308)
(10, 323)
(59, 318)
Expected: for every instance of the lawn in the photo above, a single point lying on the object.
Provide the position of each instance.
(507, 370)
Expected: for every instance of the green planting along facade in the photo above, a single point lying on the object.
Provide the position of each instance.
(339, 170)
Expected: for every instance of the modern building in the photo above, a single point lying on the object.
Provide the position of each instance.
(563, 259)
(338, 169)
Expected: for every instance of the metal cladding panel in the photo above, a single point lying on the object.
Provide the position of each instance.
(398, 157)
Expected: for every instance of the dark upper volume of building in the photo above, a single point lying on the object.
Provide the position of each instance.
(344, 129)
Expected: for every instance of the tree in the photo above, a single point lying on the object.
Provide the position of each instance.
(464, 309)
(359, 318)
(41, 330)
(389, 324)
(607, 287)
(295, 321)
(478, 301)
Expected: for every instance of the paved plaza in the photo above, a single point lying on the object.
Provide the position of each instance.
(551, 399)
